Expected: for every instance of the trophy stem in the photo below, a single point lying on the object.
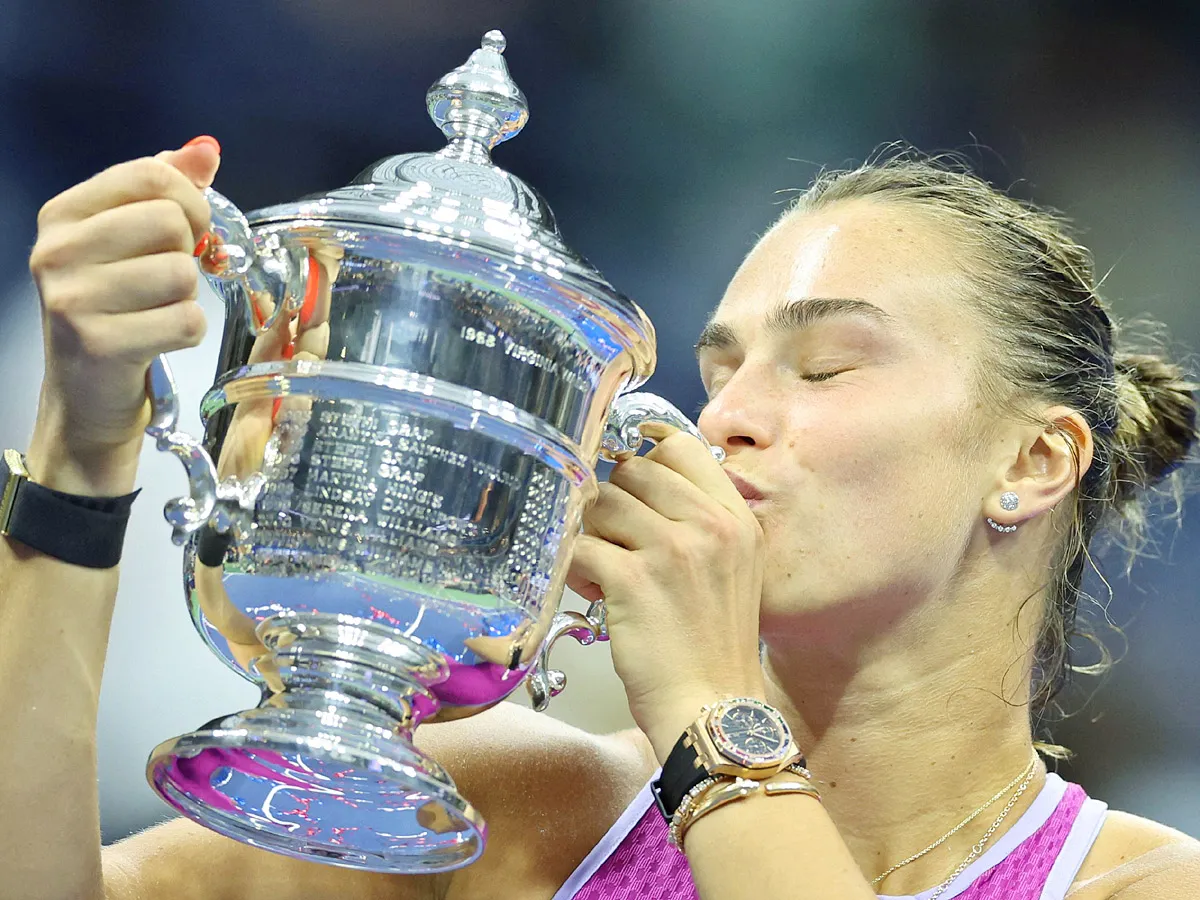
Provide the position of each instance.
(324, 767)
(385, 675)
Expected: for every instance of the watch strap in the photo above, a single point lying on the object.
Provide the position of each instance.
(681, 772)
(84, 531)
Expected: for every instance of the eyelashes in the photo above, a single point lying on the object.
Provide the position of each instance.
(810, 377)
(823, 376)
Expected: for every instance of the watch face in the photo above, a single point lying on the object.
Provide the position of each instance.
(749, 732)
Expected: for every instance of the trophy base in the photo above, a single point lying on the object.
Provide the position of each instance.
(321, 778)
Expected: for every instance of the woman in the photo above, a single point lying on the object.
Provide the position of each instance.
(925, 419)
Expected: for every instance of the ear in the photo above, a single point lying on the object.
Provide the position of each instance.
(1051, 461)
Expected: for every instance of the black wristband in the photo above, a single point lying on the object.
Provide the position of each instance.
(211, 546)
(681, 772)
(84, 531)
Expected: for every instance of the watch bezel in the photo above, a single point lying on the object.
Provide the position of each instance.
(725, 746)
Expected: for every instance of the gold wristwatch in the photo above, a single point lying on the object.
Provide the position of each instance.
(741, 738)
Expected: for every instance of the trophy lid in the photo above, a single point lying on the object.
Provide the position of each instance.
(459, 197)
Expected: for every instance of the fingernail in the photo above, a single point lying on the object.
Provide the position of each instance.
(275, 406)
(289, 350)
(310, 293)
(205, 139)
(202, 245)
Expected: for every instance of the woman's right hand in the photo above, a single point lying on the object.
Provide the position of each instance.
(114, 268)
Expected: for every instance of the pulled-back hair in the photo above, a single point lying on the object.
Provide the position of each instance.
(1052, 340)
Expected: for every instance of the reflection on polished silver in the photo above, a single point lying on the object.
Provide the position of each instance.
(544, 682)
(1003, 529)
(222, 505)
(268, 266)
(413, 390)
(274, 272)
(635, 418)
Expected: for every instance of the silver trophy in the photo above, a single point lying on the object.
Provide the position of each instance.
(416, 380)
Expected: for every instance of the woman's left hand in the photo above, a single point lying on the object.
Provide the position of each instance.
(678, 557)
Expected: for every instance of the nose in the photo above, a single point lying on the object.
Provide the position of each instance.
(739, 415)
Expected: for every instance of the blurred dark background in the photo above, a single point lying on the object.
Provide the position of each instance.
(665, 136)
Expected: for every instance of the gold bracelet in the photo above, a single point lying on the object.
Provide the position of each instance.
(717, 795)
(685, 806)
(798, 769)
(801, 785)
(792, 787)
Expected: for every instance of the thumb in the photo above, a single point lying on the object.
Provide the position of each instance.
(198, 159)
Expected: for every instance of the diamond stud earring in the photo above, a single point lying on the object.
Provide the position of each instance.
(1009, 501)
(1004, 529)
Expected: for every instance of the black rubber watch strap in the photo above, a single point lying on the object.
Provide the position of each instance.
(84, 531)
(680, 773)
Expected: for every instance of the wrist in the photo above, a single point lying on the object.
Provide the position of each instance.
(675, 715)
(67, 454)
(99, 471)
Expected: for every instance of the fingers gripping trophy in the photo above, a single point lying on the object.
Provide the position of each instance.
(416, 380)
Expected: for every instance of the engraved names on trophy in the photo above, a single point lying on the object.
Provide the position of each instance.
(397, 493)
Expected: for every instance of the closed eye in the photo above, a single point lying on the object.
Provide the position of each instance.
(823, 376)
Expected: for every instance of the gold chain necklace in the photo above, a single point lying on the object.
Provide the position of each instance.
(1023, 779)
(978, 848)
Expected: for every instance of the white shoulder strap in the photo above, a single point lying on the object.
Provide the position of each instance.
(1075, 849)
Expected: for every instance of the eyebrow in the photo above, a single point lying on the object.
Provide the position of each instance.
(795, 315)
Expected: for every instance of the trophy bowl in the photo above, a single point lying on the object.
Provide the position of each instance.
(415, 382)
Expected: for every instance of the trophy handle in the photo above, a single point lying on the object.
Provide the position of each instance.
(544, 682)
(641, 416)
(275, 274)
(190, 513)
(633, 419)
(275, 277)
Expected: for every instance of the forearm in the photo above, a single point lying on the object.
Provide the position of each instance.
(54, 621)
(54, 625)
(762, 848)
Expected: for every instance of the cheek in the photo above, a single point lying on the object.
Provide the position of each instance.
(878, 508)
(885, 462)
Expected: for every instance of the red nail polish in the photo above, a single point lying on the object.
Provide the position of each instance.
(310, 293)
(202, 246)
(258, 316)
(275, 408)
(205, 139)
(289, 350)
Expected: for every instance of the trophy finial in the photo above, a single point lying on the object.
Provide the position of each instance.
(494, 40)
(478, 105)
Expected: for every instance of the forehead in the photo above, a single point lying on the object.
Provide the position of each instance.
(892, 257)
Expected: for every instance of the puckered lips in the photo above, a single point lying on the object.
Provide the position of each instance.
(752, 495)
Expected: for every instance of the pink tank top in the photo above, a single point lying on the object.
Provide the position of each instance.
(1035, 859)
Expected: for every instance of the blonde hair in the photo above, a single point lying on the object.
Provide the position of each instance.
(1054, 340)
